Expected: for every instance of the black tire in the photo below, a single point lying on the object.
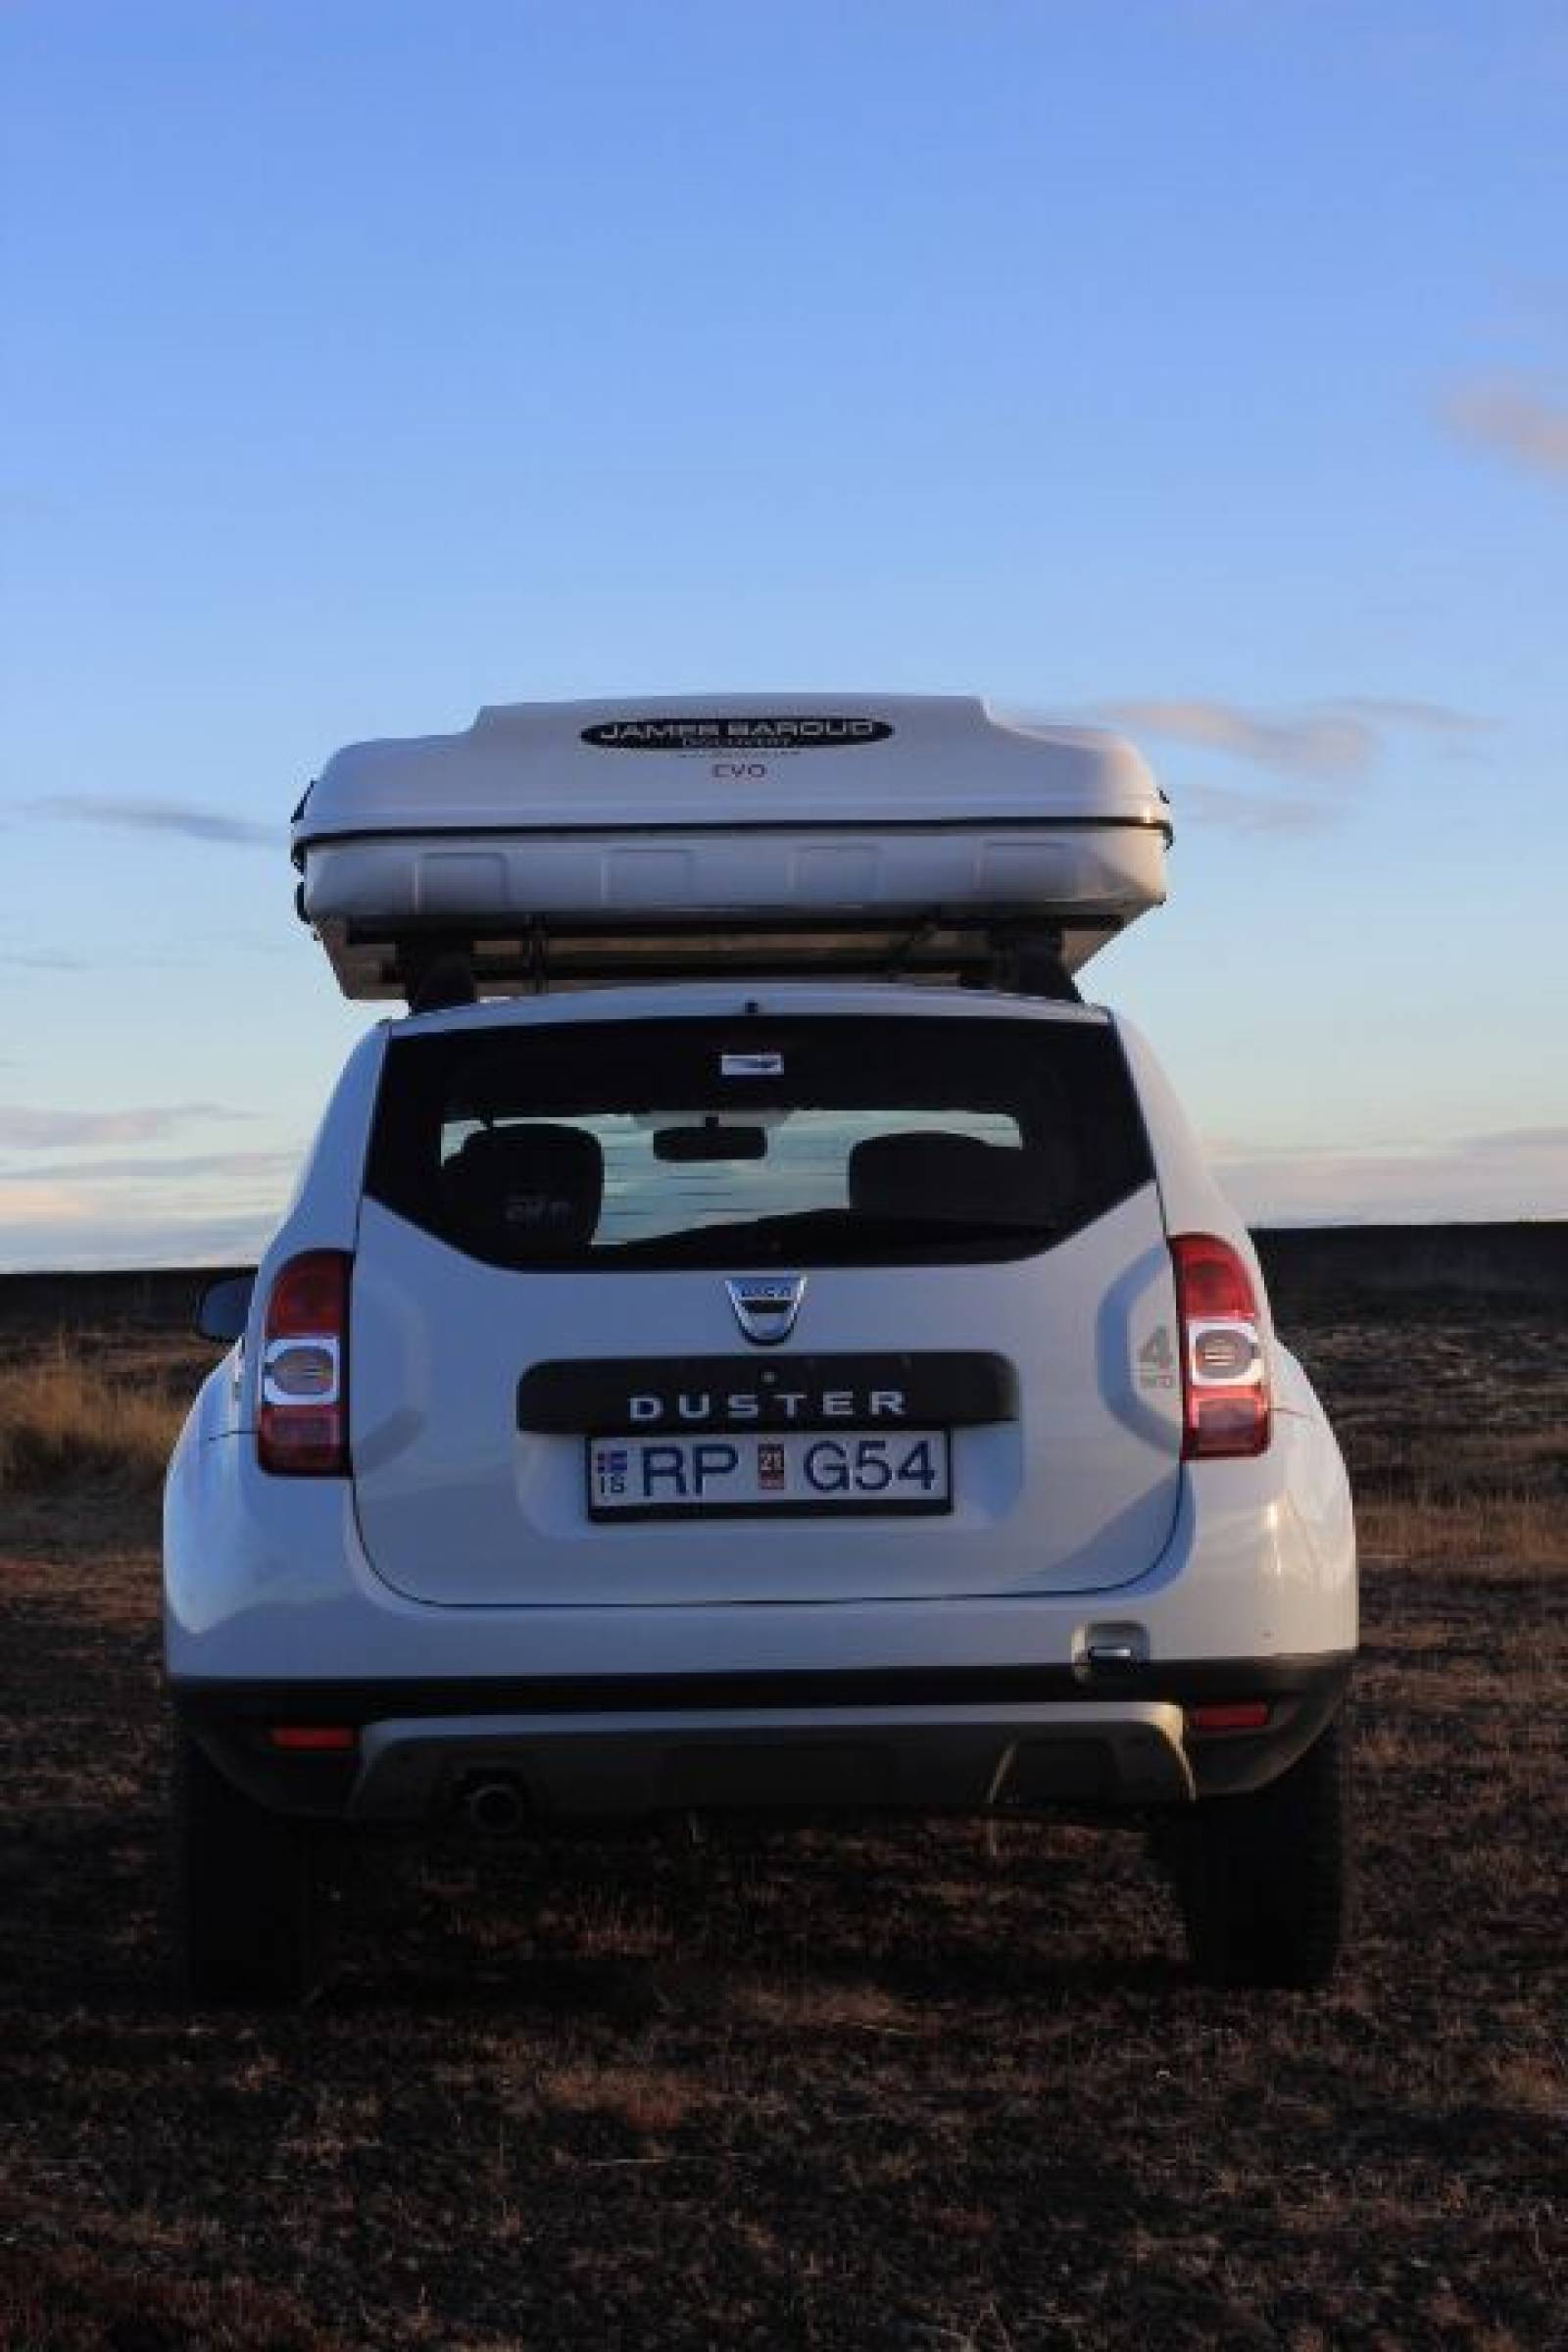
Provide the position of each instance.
(246, 1907)
(1265, 1880)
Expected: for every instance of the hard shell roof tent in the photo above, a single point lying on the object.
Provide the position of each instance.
(561, 843)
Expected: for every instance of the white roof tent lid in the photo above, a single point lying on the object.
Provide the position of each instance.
(560, 844)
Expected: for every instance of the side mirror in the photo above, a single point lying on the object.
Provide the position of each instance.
(223, 1308)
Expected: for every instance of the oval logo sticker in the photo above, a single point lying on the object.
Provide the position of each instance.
(800, 731)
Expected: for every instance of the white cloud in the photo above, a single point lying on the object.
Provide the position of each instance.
(1507, 1173)
(102, 1242)
(191, 819)
(41, 959)
(1522, 1139)
(234, 1167)
(197, 1209)
(1322, 748)
(25, 1129)
(1514, 419)
(1323, 742)
(1400, 711)
(26, 1205)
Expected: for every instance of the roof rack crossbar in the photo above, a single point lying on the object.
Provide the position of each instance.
(434, 966)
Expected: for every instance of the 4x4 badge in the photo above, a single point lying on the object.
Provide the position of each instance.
(767, 1305)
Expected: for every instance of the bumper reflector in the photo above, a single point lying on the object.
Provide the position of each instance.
(315, 1739)
(1228, 1715)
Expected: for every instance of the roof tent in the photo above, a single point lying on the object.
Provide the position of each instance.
(561, 844)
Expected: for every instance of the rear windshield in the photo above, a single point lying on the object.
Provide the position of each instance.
(699, 1142)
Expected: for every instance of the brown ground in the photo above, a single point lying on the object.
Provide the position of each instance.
(910, 2088)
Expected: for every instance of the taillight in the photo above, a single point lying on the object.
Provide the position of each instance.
(302, 1421)
(1225, 1393)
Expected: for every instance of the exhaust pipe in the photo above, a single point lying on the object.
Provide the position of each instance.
(495, 1808)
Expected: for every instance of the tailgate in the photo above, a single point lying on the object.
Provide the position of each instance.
(961, 1401)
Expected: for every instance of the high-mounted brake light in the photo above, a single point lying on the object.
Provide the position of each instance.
(1225, 1391)
(301, 1427)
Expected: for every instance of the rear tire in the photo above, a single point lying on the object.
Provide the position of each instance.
(1265, 1880)
(246, 1908)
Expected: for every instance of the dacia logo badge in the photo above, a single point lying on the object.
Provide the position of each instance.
(767, 1305)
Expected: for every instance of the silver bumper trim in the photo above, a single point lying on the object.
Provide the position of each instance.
(970, 1759)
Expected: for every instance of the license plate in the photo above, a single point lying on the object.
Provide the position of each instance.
(746, 1475)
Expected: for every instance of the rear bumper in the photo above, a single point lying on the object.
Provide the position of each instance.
(274, 1616)
(999, 1740)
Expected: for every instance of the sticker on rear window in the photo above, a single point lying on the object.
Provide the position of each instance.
(751, 1065)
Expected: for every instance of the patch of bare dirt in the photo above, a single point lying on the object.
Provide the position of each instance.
(912, 2087)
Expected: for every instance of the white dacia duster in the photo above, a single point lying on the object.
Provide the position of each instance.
(752, 1340)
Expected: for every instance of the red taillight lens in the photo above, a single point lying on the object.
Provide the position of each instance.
(302, 1421)
(1225, 1391)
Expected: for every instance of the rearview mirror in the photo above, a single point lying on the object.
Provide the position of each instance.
(713, 1140)
(223, 1308)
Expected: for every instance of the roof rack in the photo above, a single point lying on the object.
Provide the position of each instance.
(434, 966)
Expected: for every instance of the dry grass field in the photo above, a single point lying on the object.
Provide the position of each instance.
(924, 2088)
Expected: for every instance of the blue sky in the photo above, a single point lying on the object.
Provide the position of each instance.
(1200, 363)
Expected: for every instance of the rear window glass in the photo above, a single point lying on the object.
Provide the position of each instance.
(825, 1141)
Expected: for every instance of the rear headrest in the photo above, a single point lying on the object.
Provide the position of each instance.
(524, 1193)
(932, 1173)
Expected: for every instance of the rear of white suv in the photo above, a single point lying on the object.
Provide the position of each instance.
(751, 1397)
